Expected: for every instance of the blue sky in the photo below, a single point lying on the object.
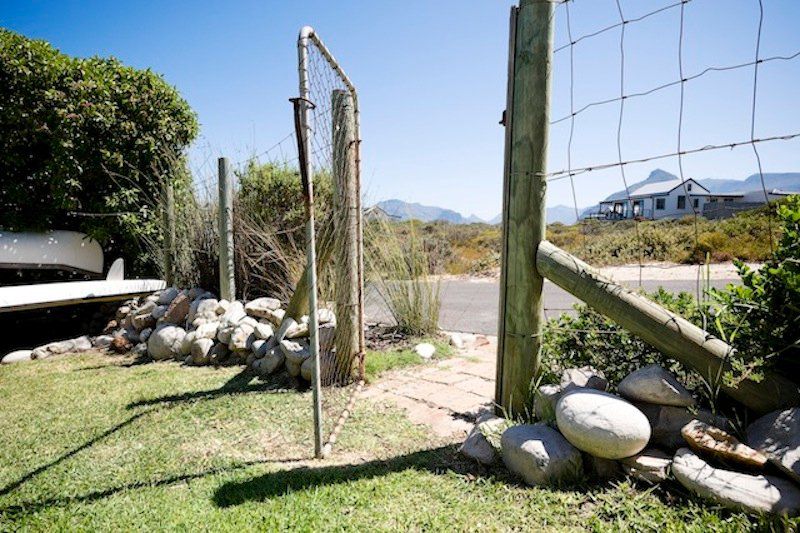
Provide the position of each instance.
(432, 76)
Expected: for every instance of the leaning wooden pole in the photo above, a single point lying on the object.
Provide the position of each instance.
(227, 284)
(527, 120)
(669, 333)
(345, 220)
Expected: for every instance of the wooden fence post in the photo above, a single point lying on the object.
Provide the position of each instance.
(169, 232)
(524, 221)
(346, 225)
(227, 283)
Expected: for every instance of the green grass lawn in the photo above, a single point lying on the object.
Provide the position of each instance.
(94, 442)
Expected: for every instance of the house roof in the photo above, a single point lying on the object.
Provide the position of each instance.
(665, 187)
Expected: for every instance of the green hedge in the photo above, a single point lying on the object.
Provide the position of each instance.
(85, 144)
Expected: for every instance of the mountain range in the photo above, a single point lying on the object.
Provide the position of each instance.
(400, 210)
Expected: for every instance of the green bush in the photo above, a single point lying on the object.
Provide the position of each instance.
(85, 142)
(761, 317)
(590, 338)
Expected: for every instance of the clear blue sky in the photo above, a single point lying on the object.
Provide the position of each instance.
(432, 77)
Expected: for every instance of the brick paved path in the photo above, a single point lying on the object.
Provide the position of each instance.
(446, 395)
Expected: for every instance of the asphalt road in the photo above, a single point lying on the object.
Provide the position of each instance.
(472, 305)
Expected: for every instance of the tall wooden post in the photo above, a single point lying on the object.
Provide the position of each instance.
(345, 213)
(169, 233)
(524, 220)
(227, 283)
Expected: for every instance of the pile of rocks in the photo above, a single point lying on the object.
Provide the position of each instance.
(651, 431)
(194, 327)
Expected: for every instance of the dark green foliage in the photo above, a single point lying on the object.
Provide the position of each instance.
(761, 317)
(589, 338)
(273, 194)
(84, 138)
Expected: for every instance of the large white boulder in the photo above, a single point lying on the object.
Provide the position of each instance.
(735, 490)
(165, 342)
(17, 356)
(777, 435)
(601, 424)
(654, 384)
(540, 455)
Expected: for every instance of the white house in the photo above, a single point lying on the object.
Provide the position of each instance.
(662, 199)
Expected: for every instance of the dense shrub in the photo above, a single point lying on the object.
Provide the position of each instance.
(761, 317)
(589, 338)
(84, 138)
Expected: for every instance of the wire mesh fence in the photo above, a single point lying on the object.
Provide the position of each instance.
(328, 143)
(650, 100)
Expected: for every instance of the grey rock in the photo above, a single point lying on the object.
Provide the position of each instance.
(601, 424)
(425, 350)
(297, 330)
(654, 384)
(262, 307)
(544, 402)
(293, 368)
(17, 356)
(165, 342)
(233, 315)
(777, 435)
(145, 334)
(186, 343)
(140, 350)
(540, 455)
(735, 490)
(307, 369)
(275, 317)
(224, 333)
(652, 465)
(81, 344)
(478, 445)
(201, 351)
(103, 341)
(666, 422)
(242, 337)
(585, 376)
(219, 353)
(272, 361)
(295, 352)
(207, 330)
(601, 469)
(167, 295)
(263, 330)
(159, 311)
(202, 308)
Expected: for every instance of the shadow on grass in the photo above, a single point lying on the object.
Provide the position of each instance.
(86, 445)
(31, 507)
(241, 383)
(275, 484)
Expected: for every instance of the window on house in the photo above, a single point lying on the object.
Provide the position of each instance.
(660, 203)
(696, 203)
(689, 187)
(681, 202)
